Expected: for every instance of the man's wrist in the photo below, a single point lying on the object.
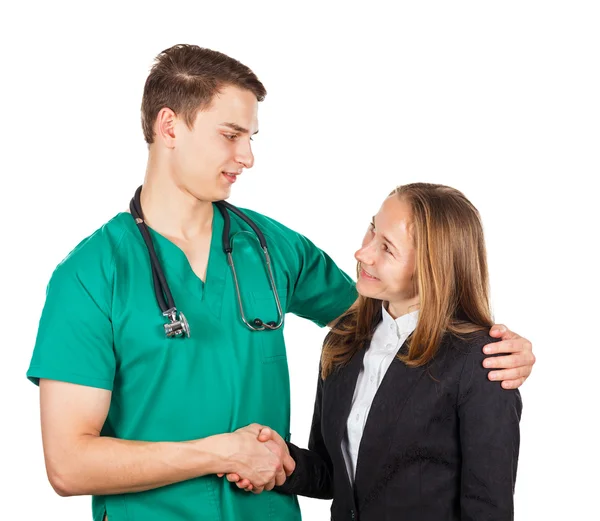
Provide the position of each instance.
(216, 453)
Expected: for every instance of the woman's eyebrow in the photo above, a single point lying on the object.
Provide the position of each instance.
(384, 237)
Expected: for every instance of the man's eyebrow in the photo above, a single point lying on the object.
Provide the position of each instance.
(237, 128)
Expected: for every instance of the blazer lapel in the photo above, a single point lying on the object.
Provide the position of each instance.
(338, 392)
(395, 390)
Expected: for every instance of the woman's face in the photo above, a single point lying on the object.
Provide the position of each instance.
(387, 258)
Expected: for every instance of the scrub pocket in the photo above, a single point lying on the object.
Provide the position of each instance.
(271, 342)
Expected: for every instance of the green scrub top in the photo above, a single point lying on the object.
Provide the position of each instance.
(101, 326)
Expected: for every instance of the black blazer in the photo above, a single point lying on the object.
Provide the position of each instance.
(440, 443)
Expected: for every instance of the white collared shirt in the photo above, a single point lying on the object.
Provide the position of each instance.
(387, 340)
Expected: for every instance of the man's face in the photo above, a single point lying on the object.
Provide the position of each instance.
(208, 158)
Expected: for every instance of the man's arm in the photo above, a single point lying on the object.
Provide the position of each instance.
(80, 461)
(517, 366)
(321, 292)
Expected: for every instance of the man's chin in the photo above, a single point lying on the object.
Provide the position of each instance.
(220, 193)
(225, 194)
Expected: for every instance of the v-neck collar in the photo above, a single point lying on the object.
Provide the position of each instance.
(177, 268)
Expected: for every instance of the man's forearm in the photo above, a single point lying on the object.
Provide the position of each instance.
(98, 465)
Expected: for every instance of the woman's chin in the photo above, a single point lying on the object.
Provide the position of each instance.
(368, 291)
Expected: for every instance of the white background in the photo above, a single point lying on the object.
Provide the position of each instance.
(498, 99)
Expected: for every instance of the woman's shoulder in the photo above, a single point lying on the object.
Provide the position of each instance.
(459, 350)
(465, 344)
(467, 352)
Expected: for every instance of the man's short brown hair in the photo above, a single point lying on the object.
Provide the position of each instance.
(185, 78)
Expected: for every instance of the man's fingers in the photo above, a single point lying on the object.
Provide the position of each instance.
(508, 374)
(501, 331)
(275, 481)
(505, 346)
(503, 362)
(233, 478)
(513, 384)
(498, 330)
(520, 361)
(220, 474)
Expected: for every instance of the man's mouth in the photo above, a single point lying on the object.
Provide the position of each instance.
(230, 176)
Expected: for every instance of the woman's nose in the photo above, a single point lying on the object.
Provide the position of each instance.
(365, 255)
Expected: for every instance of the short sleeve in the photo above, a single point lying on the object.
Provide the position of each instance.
(322, 291)
(75, 338)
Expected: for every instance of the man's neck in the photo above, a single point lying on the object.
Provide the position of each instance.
(172, 211)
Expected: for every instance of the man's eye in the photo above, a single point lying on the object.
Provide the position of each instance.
(231, 137)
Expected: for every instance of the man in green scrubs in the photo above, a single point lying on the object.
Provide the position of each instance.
(142, 422)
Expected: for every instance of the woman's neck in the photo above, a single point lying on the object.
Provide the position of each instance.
(403, 307)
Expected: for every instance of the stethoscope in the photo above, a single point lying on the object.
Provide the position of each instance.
(178, 324)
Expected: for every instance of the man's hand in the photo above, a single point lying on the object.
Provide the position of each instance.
(515, 367)
(261, 463)
(275, 443)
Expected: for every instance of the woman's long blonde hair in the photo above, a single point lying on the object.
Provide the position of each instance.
(451, 279)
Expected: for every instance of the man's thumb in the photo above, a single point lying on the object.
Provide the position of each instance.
(264, 434)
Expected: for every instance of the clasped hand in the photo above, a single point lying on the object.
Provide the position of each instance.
(262, 459)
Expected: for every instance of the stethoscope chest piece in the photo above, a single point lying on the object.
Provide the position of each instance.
(177, 325)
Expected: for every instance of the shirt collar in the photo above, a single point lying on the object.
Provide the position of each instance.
(402, 326)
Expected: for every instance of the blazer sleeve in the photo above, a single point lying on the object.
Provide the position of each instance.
(313, 475)
(489, 437)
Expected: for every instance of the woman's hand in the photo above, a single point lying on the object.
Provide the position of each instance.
(274, 443)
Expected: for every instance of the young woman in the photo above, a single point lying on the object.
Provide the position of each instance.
(406, 424)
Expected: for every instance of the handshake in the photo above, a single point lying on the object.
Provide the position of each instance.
(259, 459)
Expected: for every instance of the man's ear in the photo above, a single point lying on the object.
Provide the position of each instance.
(164, 127)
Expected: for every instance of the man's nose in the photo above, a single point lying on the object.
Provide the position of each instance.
(245, 156)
